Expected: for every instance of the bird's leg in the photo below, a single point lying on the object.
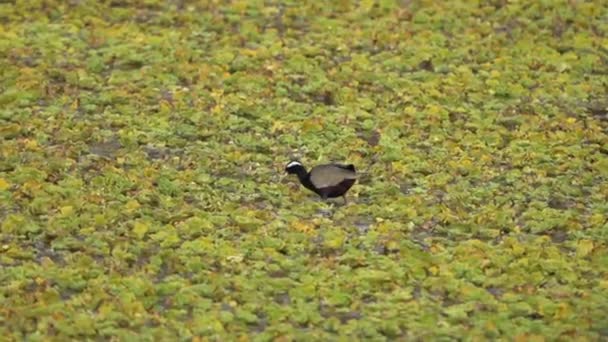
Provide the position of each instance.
(345, 201)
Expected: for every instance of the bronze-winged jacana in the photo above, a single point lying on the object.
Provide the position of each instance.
(327, 180)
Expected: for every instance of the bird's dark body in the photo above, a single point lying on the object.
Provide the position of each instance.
(336, 190)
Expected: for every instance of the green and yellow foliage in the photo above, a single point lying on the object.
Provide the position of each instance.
(142, 192)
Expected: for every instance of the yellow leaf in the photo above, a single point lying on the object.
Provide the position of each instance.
(277, 126)
(249, 52)
(518, 249)
(384, 227)
(392, 245)
(3, 184)
(235, 258)
(217, 109)
(410, 110)
(140, 229)
(584, 247)
(312, 124)
(105, 309)
(234, 156)
(563, 311)
(435, 248)
(334, 239)
(39, 281)
(31, 187)
(596, 219)
(31, 144)
(563, 67)
(132, 205)
(400, 167)
(67, 210)
(304, 227)
(490, 326)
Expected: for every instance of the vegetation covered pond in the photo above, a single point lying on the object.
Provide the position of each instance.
(143, 193)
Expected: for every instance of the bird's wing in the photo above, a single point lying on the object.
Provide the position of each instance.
(323, 176)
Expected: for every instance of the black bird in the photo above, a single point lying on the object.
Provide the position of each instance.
(328, 180)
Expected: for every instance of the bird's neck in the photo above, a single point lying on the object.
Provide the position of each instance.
(304, 178)
(301, 173)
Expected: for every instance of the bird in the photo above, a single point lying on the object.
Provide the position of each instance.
(327, 180)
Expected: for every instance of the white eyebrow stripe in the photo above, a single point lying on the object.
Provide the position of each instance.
(293, 163)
